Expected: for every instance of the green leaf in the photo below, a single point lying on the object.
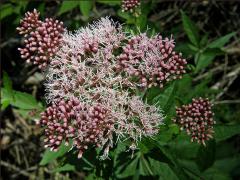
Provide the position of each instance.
(129, 170)
(223, 132)
(184, 85)
(124, 15)
(184, 48)
(144, 167)
(190, 168)
(190, 29)
(85, 7)
(24, 101)
(163, 170)
(162, 153)
(65, 167)
(228, 165)
(4, 103)
(204, 40)
(92, 176)
(167, 134)
(166, 98)
(49, 156)
(141, 21)
(19, 99)
(219, 43)
(67, 6)
(206, 155)
(193, 47)
(6, 92)
(6, 10)
(6, 97)
(7, 83)
(41, 8)
(206, 58)
(183, 148)
(214, 173)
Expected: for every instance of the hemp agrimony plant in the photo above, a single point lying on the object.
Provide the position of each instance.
(96, 80)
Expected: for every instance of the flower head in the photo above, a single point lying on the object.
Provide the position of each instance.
(196, 119)
(41, 38)
(151, 61)
(130, 5)
(85, 125)
(84, 69)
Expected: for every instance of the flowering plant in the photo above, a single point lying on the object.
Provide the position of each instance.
(120, 100)
(92, 77)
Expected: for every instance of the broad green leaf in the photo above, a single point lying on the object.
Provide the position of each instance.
(183, 148)
(145, 145)
(228, 165)
(204, 40)
(19, 99)
(124, 15)
(220, 42)
(24, 113)
(144, 167)
(49, 156)
(206, 58)
(7, 83)
(65, 167)
(129, 169)
(166, 98)
(5, 10)
(184, 85)
(4, 103)
(190, 29)
(163, 170)
(167, 134)
(85, 7)
(206, 155)
(24, 101)
(6, 92)
(6, 98)
(164, 154)
(214, 173)
(223, 132)
(193, 47)
(190, 168)
(92, 177)
(41, 8)
(141, 21)
(67, 6)
(184, 48)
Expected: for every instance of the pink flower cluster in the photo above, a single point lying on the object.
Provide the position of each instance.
(78, 71)
(197, 119)
(151, 61)
(91, 79)
(42, 38)
(85, 125)
(130, 5)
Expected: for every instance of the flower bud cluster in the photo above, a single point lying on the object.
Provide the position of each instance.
(196, 119)
(130, 5)
(70, 119)
(151, 61)
(41, 38)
